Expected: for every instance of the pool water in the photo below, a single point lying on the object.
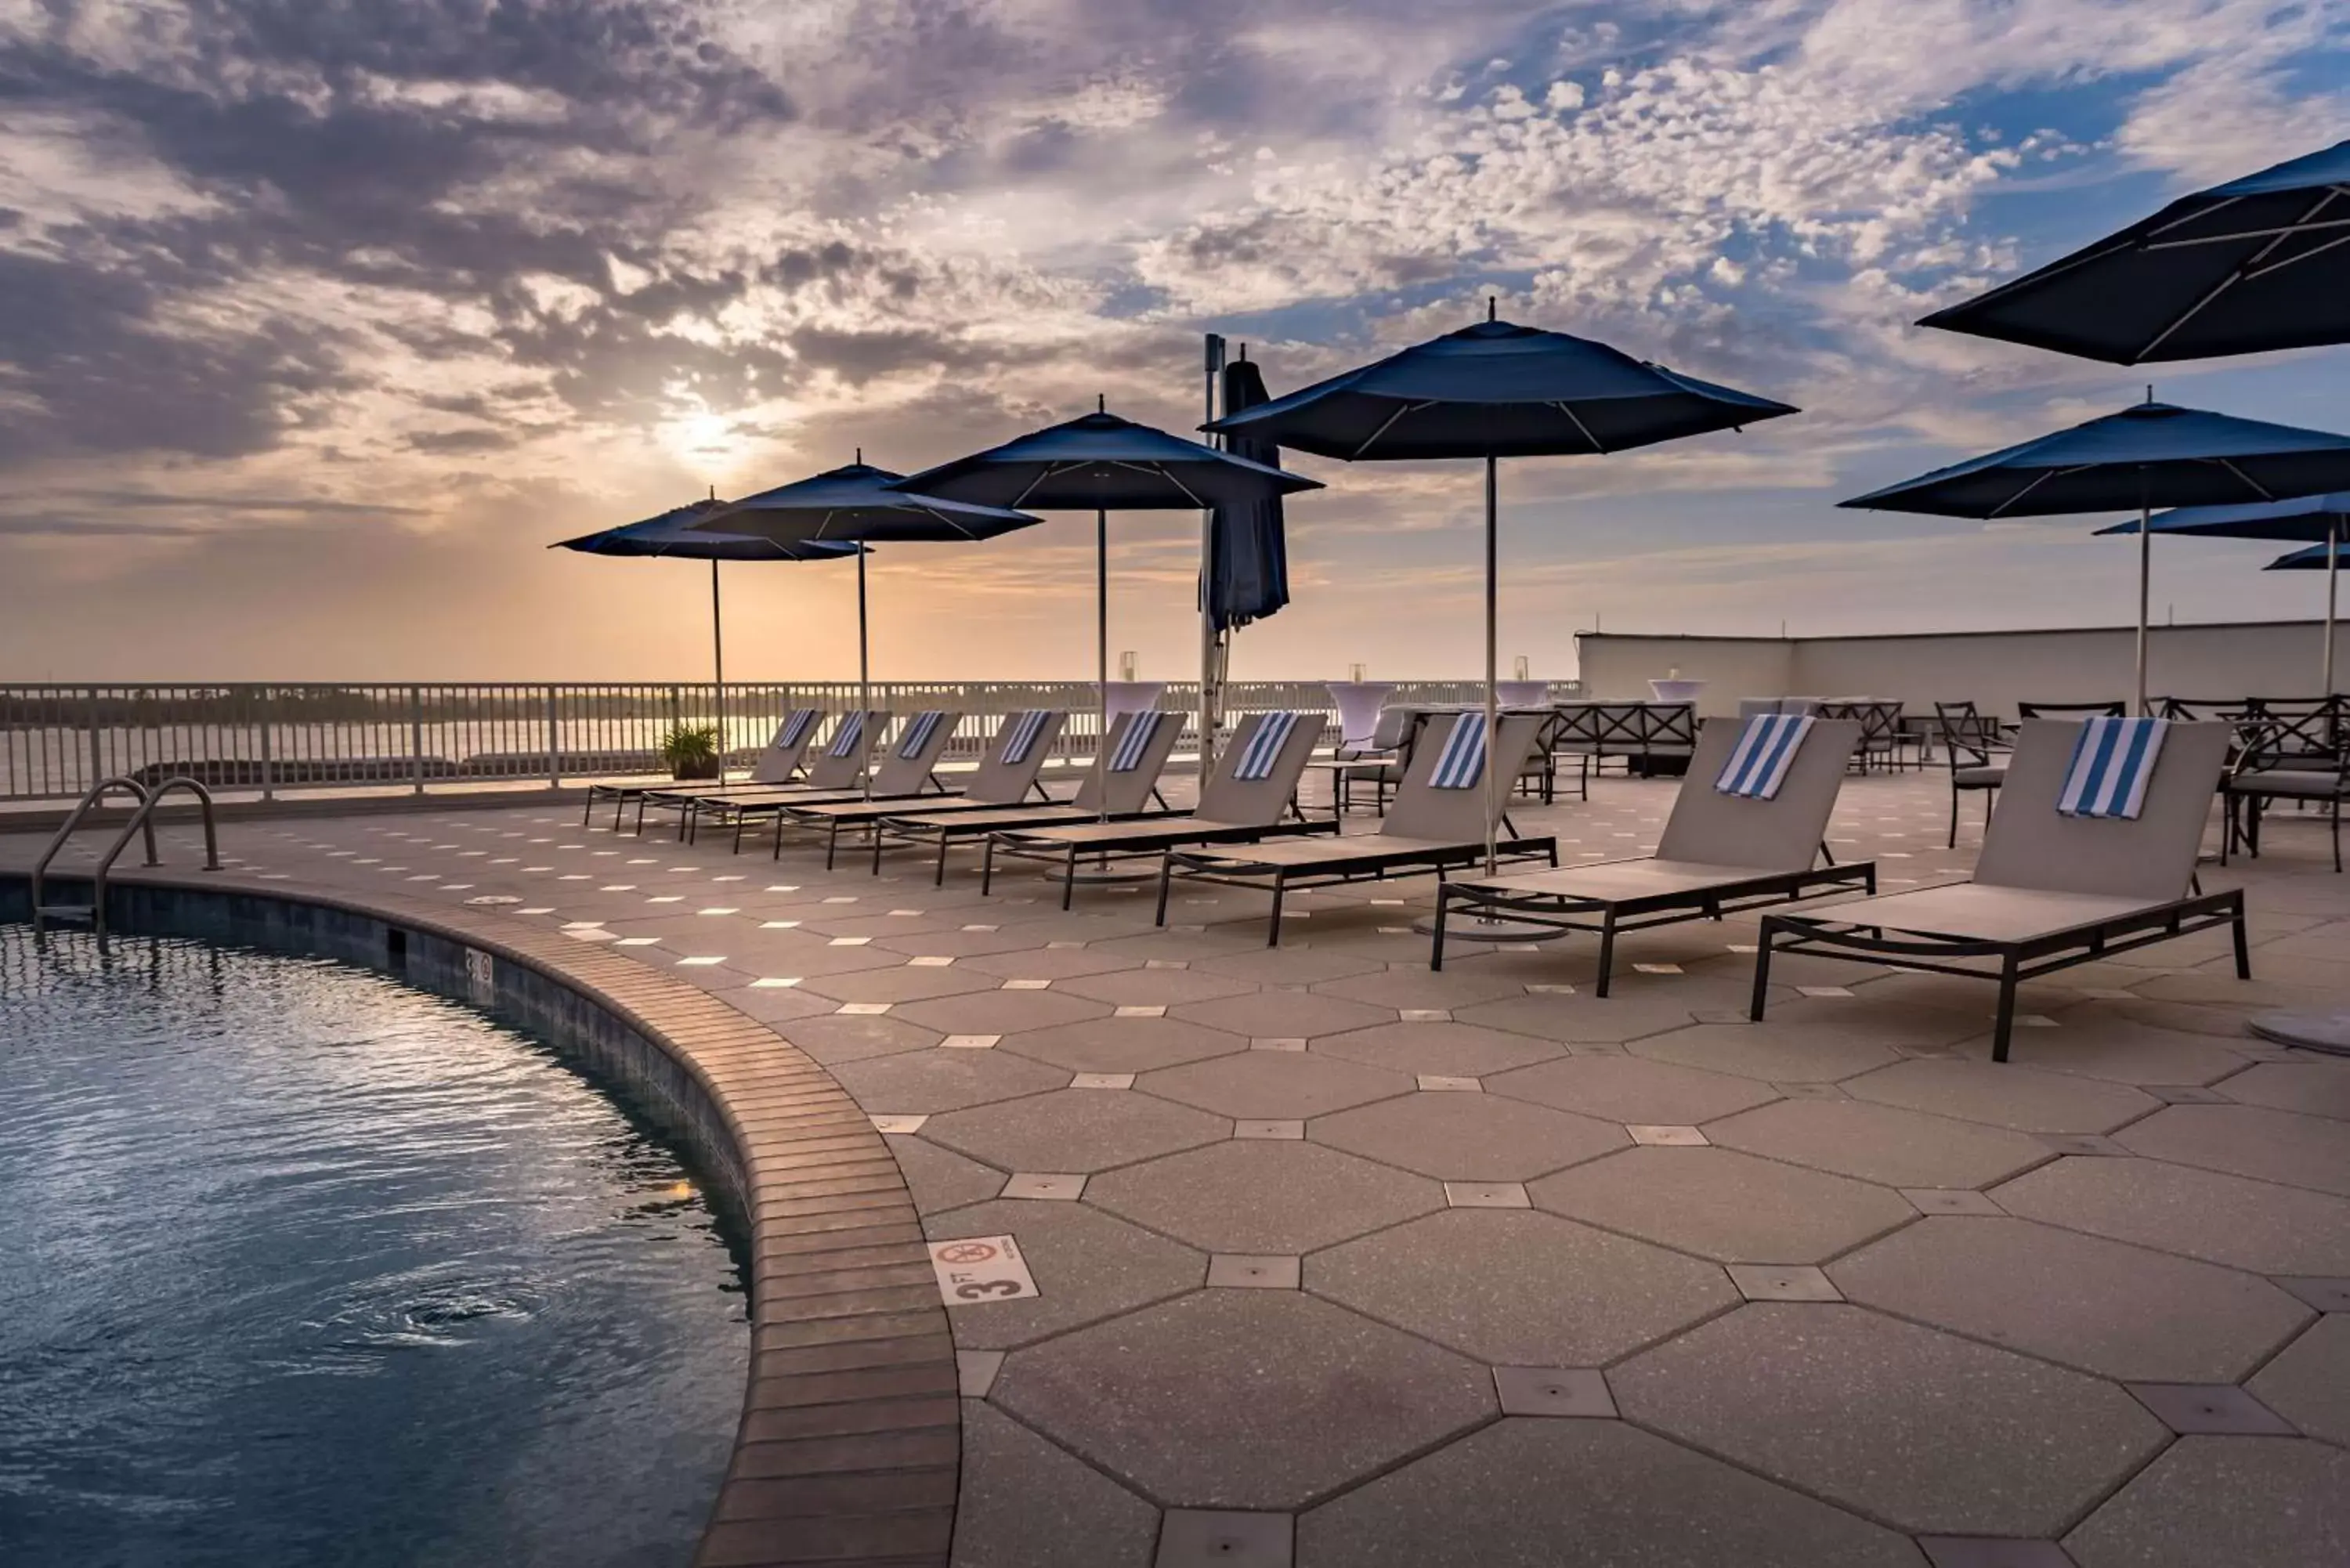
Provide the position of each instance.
(300, 1266)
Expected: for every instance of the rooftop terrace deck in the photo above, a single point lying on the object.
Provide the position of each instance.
(1348, 1263)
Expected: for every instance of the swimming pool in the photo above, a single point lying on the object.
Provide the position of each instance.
(300, 1265)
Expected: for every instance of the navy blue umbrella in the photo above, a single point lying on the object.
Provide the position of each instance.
(1493, 390)
(2257, 264)
(676, 534)
(2320, 519)
(1248, 554)
(1101, 464)
(2153, 454)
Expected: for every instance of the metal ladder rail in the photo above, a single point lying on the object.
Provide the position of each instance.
(89, 801)
(145, 819)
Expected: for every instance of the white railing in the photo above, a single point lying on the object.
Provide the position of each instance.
(269, 739)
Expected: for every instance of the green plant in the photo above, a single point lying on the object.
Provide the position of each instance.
(690, 748)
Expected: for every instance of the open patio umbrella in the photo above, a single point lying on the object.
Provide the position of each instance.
(673, 535)
(2257, 264)
(1101, 464)
(2153, 454)
(852, 505)
(1493, 390)
(2316, 520)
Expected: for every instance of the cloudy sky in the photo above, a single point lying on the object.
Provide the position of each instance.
(319, 319)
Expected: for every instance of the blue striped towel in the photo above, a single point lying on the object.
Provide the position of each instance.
(1766, 749)
(1263, 748)
(1025, 727)
(795, 726)
(1141, 727)
(846, 738)
(1462, 762)
(2113, 761)
(918, 733)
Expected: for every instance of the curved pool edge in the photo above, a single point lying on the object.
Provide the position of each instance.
(850, 1444)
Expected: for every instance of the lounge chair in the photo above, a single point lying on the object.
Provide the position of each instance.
(1432, 826)
(1719, 853)
(1136, 749)
(908, 769)
(1272, 748)
(781, 758)
(1006, 776)
(2049, 890)
(2277, 763)
(840, 760)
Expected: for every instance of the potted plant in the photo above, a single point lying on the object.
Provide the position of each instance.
(691, 750)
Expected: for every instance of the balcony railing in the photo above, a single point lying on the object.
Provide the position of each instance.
(268, 740)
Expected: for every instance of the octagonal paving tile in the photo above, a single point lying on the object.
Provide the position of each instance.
(1468, 1137)
(1724, 1205)
(1771, 1051)
(2221, 1022)
(2006, 1095)
(1929, 1432)
(965, 946)
(1123, 1044)
(1001, 1012)
(1584, 1017)
(1263, 1198)
(1192, 945)
(2222, 1218)
(1445, 1050)
(1632, 1089)
(897, 985)
(1414, 987)
(1243, 1399)
(939, 1179)
(2312, 1088)
(1075, 1130)
(1515, 1288)
(923, 1083)
(1881, 1016)
(1609, 1496)
(1155, 987)
(1290, 965)
(1032, 959)
(1023, 1503)
(2309, 1382)
(1088, 1265)
(786, 1006)
(1274, 1085)
(2118, 1049)
(2257, 1502)
(2118, 1310)
(2250, 1140)
(1286, 1014)
(1883, 1143)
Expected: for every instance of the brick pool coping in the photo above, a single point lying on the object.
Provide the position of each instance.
(851, 1442)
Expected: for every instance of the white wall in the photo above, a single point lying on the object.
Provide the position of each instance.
(2257, 659)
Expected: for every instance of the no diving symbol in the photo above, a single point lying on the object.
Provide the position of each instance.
(966, 1253)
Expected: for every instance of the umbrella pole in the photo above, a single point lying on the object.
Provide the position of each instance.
(718, 666)
(2332, 581)
(2145, 593)
(1492, 666)
(864, 669)
(1101, 661)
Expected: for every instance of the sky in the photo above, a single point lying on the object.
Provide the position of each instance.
(320, 319)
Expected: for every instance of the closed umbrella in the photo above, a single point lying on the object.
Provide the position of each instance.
(2317, 519)
(852, 505)
(2154, 454)
(2257, 264)
(1493, 391)
(673, 533)
(1101, 464)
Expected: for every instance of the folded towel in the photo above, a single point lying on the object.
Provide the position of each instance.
(1141, 727)
(1263, 748)
(846, 738)
(919, 733)
(1766, 749)
(795, 726)
(2113, 761)
(1462, 762)
(1026, 727)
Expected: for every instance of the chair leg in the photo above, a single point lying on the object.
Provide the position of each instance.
(1166, 874)
(2338, 836)
(1273, 926)
(1069, 879)
(2243, 944)
(1954, 817)
(1436, 936)
(832, 845)
(1761, 968)
(938, 871)
(986, 863)
(1606, 949)
(2004, 1025)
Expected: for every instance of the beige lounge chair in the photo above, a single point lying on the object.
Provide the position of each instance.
(1106, 791)
(909, 762)
(2049, 891)
(1231, 809)
(840, 760)
(997, 784)
(1427, 829)
(778, 761)
(1719, 853)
